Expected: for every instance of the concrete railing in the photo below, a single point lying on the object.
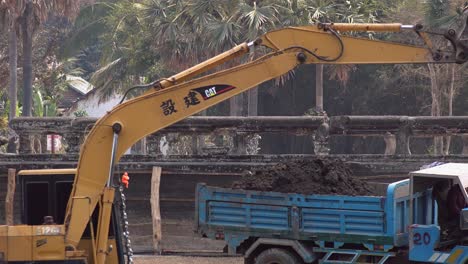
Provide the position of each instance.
(242, 135)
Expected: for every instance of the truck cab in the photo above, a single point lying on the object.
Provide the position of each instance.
(445, 241)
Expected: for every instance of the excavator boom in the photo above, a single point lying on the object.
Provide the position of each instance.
(178, 97)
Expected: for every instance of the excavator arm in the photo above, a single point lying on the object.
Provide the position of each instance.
(180, 96)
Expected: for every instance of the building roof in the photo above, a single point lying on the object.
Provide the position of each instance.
(79, 84)
(77, 89)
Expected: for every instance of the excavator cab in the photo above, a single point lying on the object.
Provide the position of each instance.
(43, 194)
(445, 241)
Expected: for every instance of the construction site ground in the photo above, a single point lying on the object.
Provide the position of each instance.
(150, 259)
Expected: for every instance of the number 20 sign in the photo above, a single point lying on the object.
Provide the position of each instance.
(421, 239)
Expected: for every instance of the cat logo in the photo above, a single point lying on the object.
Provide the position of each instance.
(208, 92)
(41, 242)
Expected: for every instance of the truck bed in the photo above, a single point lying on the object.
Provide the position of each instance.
(237, 215)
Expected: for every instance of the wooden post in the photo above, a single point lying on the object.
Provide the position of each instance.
(155, 209)
(9, 200)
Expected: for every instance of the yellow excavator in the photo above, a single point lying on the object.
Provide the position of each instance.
(173, 99)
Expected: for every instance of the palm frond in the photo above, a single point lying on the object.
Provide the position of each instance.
(258, 19)
(105, 78)
(88, 26)
(223, 34)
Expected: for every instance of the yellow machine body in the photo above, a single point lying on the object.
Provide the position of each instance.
(47, 242)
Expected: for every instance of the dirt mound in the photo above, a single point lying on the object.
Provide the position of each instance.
(318, 176)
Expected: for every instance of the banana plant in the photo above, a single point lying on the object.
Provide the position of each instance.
(43, 106)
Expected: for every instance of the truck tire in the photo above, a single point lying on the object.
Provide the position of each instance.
(277, 256)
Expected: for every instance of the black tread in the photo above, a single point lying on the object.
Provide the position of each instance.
(277, 256)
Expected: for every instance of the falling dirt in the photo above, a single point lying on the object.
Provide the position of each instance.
(318, 176)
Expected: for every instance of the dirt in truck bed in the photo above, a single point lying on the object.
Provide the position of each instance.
(318, 176)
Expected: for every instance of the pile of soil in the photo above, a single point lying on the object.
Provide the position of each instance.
(318, 176)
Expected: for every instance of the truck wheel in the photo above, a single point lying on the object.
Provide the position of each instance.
(277, 256)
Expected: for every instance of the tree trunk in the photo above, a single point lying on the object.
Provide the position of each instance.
(13, 62)
(452, 90)
(27, 59)
(435, 107)
(12, 92)
(451, 94)
(319, 87)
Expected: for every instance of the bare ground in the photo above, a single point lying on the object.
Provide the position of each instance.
(149, 259)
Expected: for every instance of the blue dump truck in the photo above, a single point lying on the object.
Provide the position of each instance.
(284, 228)
(295, 228)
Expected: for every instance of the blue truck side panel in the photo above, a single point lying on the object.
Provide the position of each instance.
(368, 220)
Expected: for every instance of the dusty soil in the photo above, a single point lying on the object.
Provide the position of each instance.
(186, 260)
(319, 176)
(216, 260)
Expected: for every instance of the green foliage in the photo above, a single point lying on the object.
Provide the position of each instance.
(148, 40)
(4, 109)
(38, 104)
(80, 113)
(88, 26)
(43, 106)
(139, 42)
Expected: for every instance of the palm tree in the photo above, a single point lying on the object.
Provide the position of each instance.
(33, 14)
(10, 11)
(319, 11)
(154, 39)
(178, 34)
(26, 15)
(126, 44)
(220, 26)
(361, 11)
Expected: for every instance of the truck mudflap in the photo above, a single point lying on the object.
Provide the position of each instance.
(425, 238)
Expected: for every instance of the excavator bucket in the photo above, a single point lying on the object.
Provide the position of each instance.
(457, 33)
